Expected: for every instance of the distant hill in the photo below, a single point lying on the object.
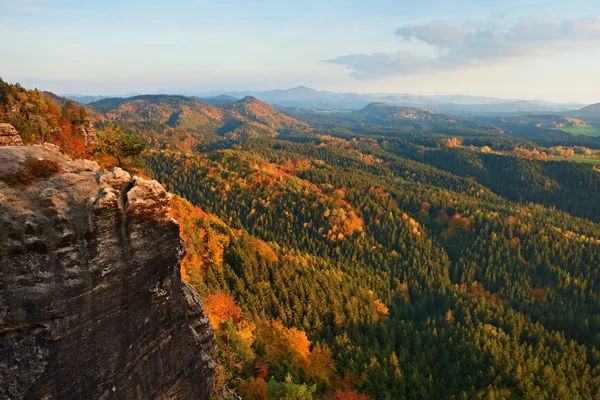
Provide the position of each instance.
(218, 100)
(422, 119)
(515, 107)
(312, 99)
(308, 98)
(589, 113)
(538, 121)
(59, 100)
(84, 99)
(183, 123)
(381, 113)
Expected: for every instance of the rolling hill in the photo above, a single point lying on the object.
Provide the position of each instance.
(183, 123)
(382, 113)
(590, 113)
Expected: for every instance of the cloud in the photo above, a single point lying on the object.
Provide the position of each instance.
(457, 47)
(444, 36)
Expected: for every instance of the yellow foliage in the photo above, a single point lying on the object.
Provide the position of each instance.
(380, 308)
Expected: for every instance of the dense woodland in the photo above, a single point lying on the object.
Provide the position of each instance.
(39, 118)
(353, 260)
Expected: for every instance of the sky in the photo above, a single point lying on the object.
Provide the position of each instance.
(526, 49)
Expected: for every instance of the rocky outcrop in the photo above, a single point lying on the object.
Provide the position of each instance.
(88, 133)
(91, 301)
(9, 136)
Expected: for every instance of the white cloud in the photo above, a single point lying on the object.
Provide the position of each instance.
(441, 35)
(459, 47)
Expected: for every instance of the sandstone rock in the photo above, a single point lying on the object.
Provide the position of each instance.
(148, 198)
(89, 134)
(9, 136)
(117, 178)
(91, 301)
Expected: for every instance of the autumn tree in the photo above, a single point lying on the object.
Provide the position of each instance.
(114, 146)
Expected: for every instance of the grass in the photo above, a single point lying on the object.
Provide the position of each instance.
(577, 158)
(583, 130)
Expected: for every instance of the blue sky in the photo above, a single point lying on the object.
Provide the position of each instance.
(515, 49)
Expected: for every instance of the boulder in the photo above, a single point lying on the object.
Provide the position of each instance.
(9, 136)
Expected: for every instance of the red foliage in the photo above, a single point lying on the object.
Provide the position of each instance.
(220, 307)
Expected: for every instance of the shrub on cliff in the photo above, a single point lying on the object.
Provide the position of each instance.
(32, 170)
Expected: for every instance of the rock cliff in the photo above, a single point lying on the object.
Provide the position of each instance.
(91, 301)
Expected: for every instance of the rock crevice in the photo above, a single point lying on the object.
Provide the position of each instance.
(91, 301)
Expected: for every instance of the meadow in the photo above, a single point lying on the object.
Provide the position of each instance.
(577, 158)
(585, 130)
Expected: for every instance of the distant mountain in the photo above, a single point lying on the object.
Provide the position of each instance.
(183, 123)
(516, 107)
(308, 98)
(83, 99)
(305, 97)
(589, 113)
(397, 118)
(218, 100)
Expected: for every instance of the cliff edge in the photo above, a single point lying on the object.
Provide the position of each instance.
(91, 300)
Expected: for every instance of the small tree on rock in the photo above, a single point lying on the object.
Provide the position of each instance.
(114, 143)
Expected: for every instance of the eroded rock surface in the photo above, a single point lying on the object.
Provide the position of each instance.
(91, 301)
(9, 136)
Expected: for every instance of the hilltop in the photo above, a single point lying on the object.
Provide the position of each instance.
(184, 122)
(387, 113)
(590, 113)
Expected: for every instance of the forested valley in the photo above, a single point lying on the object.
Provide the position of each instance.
(366, 259)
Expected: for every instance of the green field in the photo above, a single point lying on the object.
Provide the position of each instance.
(577, 158)
(587, 130)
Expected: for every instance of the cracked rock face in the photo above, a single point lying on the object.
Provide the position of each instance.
(91, 301)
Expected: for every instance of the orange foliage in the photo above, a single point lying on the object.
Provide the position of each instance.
(452, 142)
(380, 308)
(537, 291)
(254, 389)
(263, 250)
(48, 118)
(454, 224)
(349, 395)
(204, 245)
(345, 223)
(220, 307)
(262, 368)
(378, 192)
(477, 289)
(321, 366)
(281, 341)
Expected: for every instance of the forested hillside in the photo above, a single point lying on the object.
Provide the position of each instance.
(183, 123)
(421, 283)
(42, 117)
(351, 258)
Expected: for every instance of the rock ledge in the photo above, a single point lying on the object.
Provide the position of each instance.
(91, 300)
